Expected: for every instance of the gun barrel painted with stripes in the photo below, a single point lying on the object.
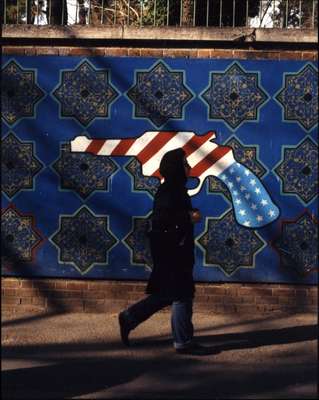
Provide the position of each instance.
(252, 204)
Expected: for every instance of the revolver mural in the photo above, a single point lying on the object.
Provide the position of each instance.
(253, 207)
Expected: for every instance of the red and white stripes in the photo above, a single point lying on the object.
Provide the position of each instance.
(204, 156)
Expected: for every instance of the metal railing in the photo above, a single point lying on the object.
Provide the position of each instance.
(282, 14)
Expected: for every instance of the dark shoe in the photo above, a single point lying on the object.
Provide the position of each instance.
(124, 330)
(196, 349)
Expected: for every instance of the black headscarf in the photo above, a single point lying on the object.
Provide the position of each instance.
(172, 167)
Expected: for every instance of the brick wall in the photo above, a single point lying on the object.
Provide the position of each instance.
(65, 295)
(239, 54)
(110, 296)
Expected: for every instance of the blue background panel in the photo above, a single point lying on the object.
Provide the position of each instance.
(76, 215)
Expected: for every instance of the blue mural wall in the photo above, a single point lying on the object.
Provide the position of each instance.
(79, 215)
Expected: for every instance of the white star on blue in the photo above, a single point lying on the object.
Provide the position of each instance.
(247, 193)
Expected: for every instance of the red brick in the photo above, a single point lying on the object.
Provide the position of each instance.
(214, 290)
(286, 300)
(267, 300)
(10, 300)
(248, 299)
(254, 291)
(38, 301)
(291, 55)
(204, 53)
(246, 308)
(60, 284)
(99, 285)
(13, 50)
(77, 285)
(94, 294)
(44, 285)
(134, 52)
(217, 53)
(26, 300)
(79, 51)
(152, 53)
(284, 292)
(47, 51)
(310, 55)
(28, 292)
(116, 51)
(9, 292)
(26, 284)
(10, 283)
(62, 294)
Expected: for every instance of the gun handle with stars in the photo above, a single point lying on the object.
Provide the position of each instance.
(252, 204)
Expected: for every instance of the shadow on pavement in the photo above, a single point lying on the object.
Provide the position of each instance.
(163, 374)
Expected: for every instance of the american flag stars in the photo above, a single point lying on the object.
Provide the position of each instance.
(253, 207)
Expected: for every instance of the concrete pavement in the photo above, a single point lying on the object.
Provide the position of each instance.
(80, 356)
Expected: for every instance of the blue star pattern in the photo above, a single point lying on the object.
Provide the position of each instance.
(299, 97)
(245, 155)
(19, 93)
(142, 183)
(252, 204)
(19, 165)
(83, 172)
(234, 96)
(228, 245)
(85, 93)
(138, 242)
(298, 170)
(75, 215)
(159, 94)
(83, 240)
(298, 244)
(19, 237)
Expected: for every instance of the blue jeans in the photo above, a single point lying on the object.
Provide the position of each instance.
(181, 317)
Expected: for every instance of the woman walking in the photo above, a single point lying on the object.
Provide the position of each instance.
(172, 249)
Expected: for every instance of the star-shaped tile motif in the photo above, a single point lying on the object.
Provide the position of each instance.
(299, 97)
(85, 93)
(83, 239)
(138, 243)
(246, 155)
(234, 96)
(229, 245)
(19, 93)
(141, 183)
(298, 170)
(297, 244)
(19, 237)
(19, 165)
(83, 172)
(159, 94)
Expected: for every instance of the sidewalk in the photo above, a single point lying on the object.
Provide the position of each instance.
(80, 356)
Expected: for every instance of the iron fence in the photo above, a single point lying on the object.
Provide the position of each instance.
(282, 14)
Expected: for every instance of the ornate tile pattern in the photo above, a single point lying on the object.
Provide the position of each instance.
(83, 172)
(19, 237)
(94, 209)
(138, 243)
(234, 96)
(141, 182)
(228, 245)
(19, 165)
(159, 94)
(83, 239)
(85, 93)
(246, 155)
(19, 93)
(297, 244)
(299, 97)
(298, 170)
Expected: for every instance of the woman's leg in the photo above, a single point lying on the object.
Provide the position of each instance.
(181, 321)
(144, 309)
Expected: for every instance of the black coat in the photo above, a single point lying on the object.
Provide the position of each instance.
(172, 243)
